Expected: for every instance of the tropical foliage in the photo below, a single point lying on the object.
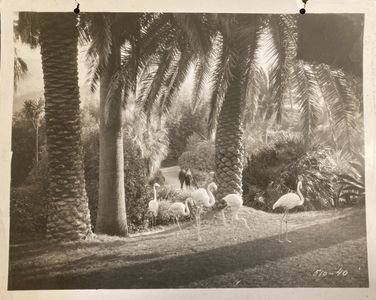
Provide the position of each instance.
(274, 170)
(353, 183)
(252, 102)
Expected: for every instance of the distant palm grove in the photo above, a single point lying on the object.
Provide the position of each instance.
(246, 97)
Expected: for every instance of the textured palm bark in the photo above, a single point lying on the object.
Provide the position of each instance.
(68, 211)
(229, 149)
(111, 216)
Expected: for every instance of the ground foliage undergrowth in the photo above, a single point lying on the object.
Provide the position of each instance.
(273, 171)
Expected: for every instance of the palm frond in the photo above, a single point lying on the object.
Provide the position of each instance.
(201, 74)
(20, 69)
(307, 94)
(342, 103)
(252, 72)
(156, 37)
(99, 29)
(256, 93)
(27, 28)
(154, 88)
(176, 80)
(283, 40)
(195, 27)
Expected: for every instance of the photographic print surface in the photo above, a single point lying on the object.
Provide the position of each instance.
(187, 150)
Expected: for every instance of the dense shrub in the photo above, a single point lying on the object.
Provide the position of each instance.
(182, 126)
(352, 182)
(23, 148)
(199, 155)
(28, 203)
(273, 171)
(137, 191)
(28, 211)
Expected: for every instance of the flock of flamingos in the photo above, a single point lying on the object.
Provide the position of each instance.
(202, 197)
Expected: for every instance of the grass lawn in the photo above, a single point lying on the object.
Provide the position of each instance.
(327, 241)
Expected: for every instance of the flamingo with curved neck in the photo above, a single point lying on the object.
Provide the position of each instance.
(179, 209)
(203, 198)
(288, 202)
(154, 205)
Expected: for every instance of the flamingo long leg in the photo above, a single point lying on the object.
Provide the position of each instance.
(177, 221)
(245, 224)
(199, 223)
(196, 216)
(280, 227)
(223, 216)
(280, 230)
(243, 220)
(287, 240)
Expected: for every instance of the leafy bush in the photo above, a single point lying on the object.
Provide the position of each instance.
(273, 171)
(28, 211)
(200, 155)
(23, 148)
(164, 218)
(182, 125)
(137, 191)
(352, 183)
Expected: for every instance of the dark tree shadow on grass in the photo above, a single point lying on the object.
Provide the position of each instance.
(181, 270)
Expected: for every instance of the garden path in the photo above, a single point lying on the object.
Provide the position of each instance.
(171, 176)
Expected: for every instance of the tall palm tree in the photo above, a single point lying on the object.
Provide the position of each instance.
(57, 35)
(105, 54)
(115, 62)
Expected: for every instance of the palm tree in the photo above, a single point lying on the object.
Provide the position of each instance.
(151, 139)
(33, 111)
(124, 47)
(233, 40)
(57, 34)
(104, 54)
(115, 62)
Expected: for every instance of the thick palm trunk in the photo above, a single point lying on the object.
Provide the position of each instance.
(68, 211)
(111, 218)
(229, 150)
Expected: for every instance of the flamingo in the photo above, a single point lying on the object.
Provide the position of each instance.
(203, 197)
(154, 205)
(234, 202)
(179, 209)
(288, 202)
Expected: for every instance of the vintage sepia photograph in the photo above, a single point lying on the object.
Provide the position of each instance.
(158, 150)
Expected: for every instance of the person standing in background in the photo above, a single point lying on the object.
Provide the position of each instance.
(182, 175)
(188, 179)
